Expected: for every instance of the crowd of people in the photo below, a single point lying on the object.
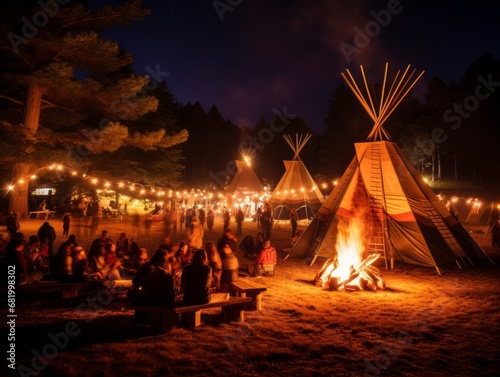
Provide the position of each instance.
(187, 272)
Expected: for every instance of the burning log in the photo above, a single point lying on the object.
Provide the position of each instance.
(364, 276)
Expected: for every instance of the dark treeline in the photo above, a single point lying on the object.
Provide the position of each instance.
(449, 133)
(67, 96)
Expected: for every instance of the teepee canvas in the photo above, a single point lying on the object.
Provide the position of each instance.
(401, 216)
(245, 180)
(296, 189)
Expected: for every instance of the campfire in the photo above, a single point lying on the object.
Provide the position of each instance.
(349, 271)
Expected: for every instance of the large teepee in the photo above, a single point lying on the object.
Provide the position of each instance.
(296, 189)
(403, 218)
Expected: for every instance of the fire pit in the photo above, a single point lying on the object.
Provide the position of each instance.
(348, 271)
(363, 277)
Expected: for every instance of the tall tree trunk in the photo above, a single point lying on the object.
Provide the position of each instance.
(433, 171)
(438, 161)
(439, 166)
(456, 167)
(32, 106)
(19, 195)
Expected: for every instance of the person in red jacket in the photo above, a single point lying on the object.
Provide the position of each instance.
(265, 261)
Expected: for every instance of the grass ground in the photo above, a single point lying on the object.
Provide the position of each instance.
(422, 325)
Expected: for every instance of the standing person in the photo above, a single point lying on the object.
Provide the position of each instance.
(226, 218)
(196, 280)
(215, 263)
(195, 234)
(165, 214)
(239, 217)
(66, 222)
(181, 217)
(12, 223)
(228, 239)
(230, 267)
(187, 217)
(43, 205)
(266, 220)
(258, 214)
(172, 221)
(210, 220)
(47, 232)
(293, 221)
(202, 216)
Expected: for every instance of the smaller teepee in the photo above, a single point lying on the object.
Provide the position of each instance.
(296, 189)
(245, 181)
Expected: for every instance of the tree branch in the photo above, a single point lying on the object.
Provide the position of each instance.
(12, 99)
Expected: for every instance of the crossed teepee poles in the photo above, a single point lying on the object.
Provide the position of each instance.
(388, 101)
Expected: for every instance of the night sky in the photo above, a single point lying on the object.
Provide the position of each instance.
(259, 55)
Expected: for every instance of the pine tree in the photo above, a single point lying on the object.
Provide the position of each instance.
(70, 93)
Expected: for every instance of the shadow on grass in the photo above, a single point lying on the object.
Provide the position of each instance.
(70, 334)
(306, 282)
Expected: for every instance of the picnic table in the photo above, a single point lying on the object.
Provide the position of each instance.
(41, 215)
(248, 287)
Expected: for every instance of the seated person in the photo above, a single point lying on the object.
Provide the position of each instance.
(265, 261)
(248, 246)
(123, 246)
(15, 255)
(66, 272)
(111, 257)
(80, 262)
(196, 280)
(104, 269)
(259, 240)
(142, 258)
(183, 254)
(39, 255)
(152, 286)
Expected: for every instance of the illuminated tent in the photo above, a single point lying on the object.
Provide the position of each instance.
(245, 181)
(405, 220)
(296, 189)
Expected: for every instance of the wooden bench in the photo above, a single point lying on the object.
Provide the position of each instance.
(68, 290)
(164, 319)
(249, 288)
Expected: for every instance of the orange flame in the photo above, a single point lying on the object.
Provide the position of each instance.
(350, 246)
